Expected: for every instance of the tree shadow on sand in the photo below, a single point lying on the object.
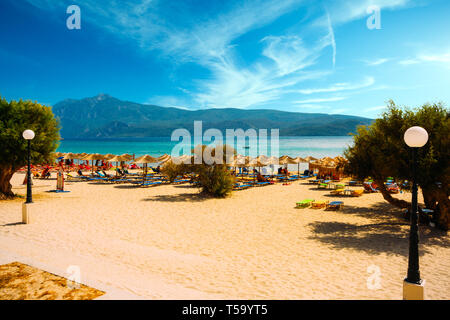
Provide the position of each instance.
(389, 232)
(182, 197)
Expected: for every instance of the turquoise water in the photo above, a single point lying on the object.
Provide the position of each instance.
(292, 146)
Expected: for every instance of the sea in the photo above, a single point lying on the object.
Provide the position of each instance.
(317, 146)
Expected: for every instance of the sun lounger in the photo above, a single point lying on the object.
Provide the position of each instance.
(357, 193)
(369, 188)
(319, 204)
(151, 184)
(238, 186)
(335, 205)
(179, 181)
(304, 203)
(322, 185)
(337, 191)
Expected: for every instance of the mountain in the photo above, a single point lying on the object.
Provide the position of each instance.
(104, 116)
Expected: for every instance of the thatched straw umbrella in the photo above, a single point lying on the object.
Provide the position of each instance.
(163, 158)
(145, 159)
(299, 160)
(92, 157)
(117, 160)
(286, 160)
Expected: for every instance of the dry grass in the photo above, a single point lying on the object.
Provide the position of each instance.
(19, 281)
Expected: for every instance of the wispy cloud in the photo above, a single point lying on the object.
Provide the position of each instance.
(422, 58)
(368, 81)
(343, 11)
(319, 100)
(207, 39)
(376, 62)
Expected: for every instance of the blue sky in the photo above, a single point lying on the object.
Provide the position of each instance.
(291, 55)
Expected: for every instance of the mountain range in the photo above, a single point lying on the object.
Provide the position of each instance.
(104, 116)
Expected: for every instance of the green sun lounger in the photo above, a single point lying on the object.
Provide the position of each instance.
(304, 203)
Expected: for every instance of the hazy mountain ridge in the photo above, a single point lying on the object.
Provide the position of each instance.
(104, 116)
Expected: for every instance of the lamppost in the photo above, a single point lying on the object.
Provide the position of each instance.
(413, 286)
(29, 135)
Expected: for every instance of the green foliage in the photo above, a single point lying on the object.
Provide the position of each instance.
(16, 117)
(172, 170)
(215, 180)
(212, 177)
(379, 151)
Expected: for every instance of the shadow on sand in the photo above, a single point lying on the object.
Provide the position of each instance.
(182, 197)
(389, 232)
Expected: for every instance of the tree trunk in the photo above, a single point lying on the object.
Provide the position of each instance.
(6, 174)
(389, 198)
(429, 198)
(443, 209)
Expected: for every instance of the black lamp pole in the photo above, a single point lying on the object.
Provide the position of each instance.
(29, 195)
(413, 259)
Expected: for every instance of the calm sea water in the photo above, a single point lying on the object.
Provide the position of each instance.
(292, 146)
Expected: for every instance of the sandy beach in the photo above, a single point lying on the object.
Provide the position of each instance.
(167, 242)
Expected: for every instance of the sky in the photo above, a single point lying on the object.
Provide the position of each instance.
(323, 56)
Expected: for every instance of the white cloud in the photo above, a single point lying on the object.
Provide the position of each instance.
(343, 11)
(368, 81)
(422, 58)
(376, 108)
(308, 101)
(376, 62)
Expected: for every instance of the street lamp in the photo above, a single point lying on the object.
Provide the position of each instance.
(29, 135)
(415, 137)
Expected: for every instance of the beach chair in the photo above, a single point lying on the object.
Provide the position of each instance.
(318, 204)
(150, 184)
(392, 188)
(369, 188)
(357, 193)
(180, 181)
(238, 186)
(304, 203)
(322, 186)
(337, 191)
(335, 205)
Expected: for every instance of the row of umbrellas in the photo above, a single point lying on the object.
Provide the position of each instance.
(238, 161)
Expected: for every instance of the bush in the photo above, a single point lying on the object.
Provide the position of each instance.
(215, 180)
(172, 170)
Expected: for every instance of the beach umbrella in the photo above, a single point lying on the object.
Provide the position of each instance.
(163, 158)
(182, 159)
(109, 156)
(71, 156)
(92, 157)
(118, 159)
(310, 158)
(145, 159)
(299, 160)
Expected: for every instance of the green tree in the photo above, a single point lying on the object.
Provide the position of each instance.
(379, 151)
(15, 117)
(212, 177)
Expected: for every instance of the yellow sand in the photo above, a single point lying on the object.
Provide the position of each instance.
(19, 281)
(167, 242)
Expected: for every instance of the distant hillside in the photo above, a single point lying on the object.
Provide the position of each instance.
(104, 116)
